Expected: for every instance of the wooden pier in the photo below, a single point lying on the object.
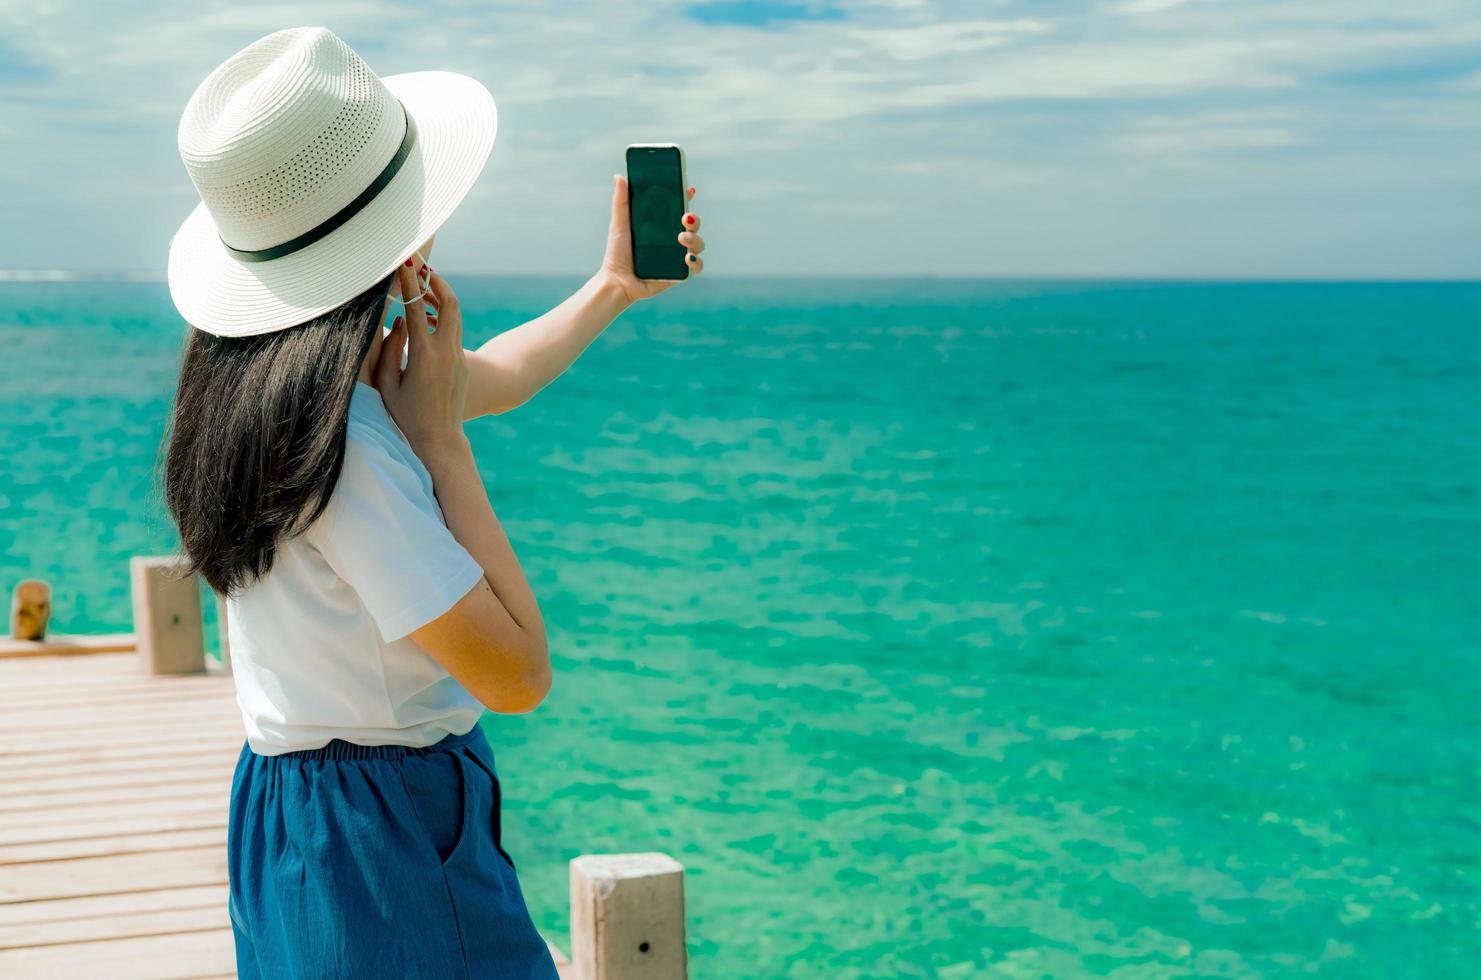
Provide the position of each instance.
(113, 815)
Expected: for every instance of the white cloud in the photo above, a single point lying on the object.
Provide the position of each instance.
(1136, 7)
(919, 42)
(1179, 138)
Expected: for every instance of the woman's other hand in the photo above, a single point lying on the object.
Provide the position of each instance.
(426, 398)
(617, 265)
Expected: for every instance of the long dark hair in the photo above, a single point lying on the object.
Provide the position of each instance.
(257, 436)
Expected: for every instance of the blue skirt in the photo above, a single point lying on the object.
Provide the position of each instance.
(376, 861)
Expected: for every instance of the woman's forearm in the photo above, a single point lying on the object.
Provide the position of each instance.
(509, 369)
(470, 517)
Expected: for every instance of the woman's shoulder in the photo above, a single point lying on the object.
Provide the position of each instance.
(371, 436)
(376, 455)
(380, 475)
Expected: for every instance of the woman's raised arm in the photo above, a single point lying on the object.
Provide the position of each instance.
(508, 370)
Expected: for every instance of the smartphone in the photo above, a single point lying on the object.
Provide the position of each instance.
(656, 202)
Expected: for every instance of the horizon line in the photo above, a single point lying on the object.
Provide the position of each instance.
(136, 276)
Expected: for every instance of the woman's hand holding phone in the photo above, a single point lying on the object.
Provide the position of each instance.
(507, 370)
(617, 265)
(426, 397)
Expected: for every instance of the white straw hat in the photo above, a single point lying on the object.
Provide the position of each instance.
(316, 178)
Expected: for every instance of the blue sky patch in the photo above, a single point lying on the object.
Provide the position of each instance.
(16, 66)
(1428, 68)
(761, 13)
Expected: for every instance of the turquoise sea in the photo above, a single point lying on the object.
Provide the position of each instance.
(943, 628)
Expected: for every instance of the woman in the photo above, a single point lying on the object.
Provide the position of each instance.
(319, 476)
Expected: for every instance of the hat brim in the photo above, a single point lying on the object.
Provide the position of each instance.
(456, 122)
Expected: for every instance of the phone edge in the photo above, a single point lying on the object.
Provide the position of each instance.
(683, 196)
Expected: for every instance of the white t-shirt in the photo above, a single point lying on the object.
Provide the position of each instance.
(319, 645)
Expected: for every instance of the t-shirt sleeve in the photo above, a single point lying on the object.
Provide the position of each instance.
(384, 535)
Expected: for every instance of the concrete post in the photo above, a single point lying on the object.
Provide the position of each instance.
(167, 617)
(627, 917)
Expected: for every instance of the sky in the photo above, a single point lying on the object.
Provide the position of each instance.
(1138, 138)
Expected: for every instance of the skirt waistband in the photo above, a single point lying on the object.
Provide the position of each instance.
(338, 750)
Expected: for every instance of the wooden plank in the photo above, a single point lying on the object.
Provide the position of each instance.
(159, 716)
(113, 875)
(123, 691)
(177, 957)
(116, 757)
(152, 737)
(81, 847)
(160, 922)
(105, 662)
(73, 673)
(124, 758)
(162, 716)
(78, 779)
(87, 906)
(65, 696)
(110, 813)
(68, 646)
(68, 802)
(217, 737)
(160, 707)
(63, 684)
(80, 714)
(34, 671)
(139, 818)
(173, 733)
(53, 698)
(75, 678)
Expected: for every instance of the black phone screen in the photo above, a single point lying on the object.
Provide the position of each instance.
(656, 206)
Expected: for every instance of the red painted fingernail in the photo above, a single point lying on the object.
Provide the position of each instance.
(408, 263)
(689, 219)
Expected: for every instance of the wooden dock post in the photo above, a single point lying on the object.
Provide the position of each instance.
(167, 616)
(30, 610)
(627, 917)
